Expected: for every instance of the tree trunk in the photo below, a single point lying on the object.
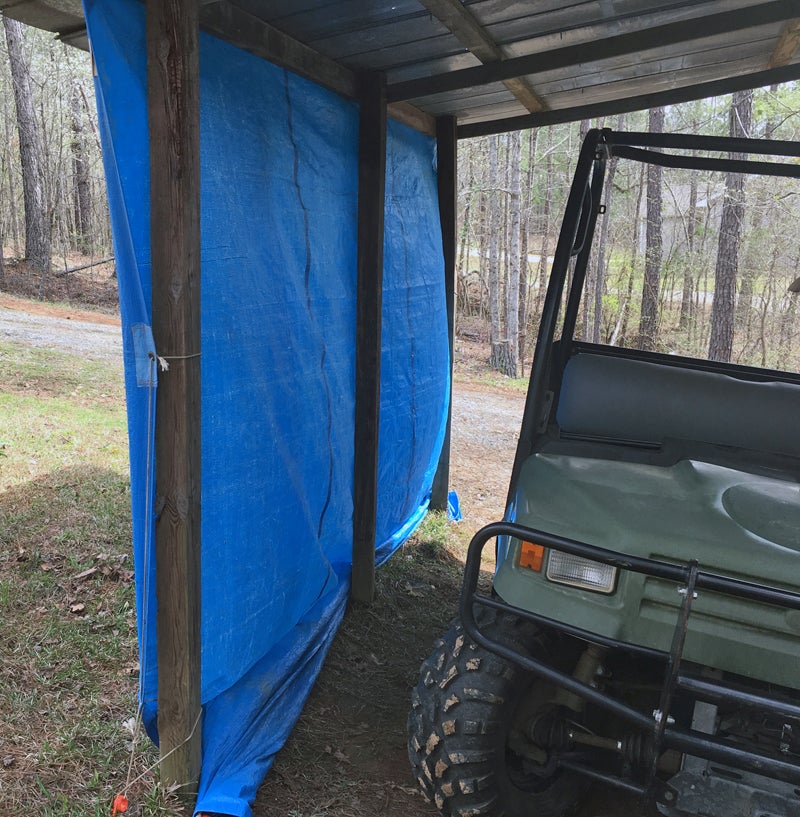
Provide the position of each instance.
(623, 333)
(494, 252)
(81, 198)
(648, 322)
(541, 285)
(504, 234)
(463, 254)
(14, 237)
(720, 344)
(502, 358)
(524, 281)
(761, 214)
(484, 247)
(37, 227)
(463, 263)
(787, 323)
(687, 307)
(514, 223)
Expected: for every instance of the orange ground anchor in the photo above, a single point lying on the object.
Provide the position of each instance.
(120, 805)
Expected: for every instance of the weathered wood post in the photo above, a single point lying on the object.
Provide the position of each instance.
(447, 167)
(371, 190)
(174, 121)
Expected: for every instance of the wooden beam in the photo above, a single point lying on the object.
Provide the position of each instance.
(251, 33)
(369, 305)
(413, 117)
(640, 102)
(174, 122)
(470, 33)
(50, 15)
(597, 50)
(787, 45)
(447, 180)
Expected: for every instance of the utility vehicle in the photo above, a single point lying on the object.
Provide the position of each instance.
(643, 629)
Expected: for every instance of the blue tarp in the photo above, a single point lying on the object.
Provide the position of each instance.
(279, 180)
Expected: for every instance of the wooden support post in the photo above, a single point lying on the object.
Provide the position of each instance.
(447, 165)
(174, 120)
(371, 190)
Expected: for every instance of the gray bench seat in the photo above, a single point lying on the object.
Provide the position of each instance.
(617, 398)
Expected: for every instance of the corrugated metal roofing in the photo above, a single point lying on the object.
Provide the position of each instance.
(586, 56)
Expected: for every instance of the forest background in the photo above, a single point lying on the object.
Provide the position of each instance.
(688, 262)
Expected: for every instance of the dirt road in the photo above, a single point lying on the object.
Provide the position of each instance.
(92, 335)
(486, 424)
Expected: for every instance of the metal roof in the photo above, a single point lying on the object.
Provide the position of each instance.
(503, 64)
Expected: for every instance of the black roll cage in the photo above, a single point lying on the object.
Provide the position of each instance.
(580, 218)
(689, 580)
(578, 226)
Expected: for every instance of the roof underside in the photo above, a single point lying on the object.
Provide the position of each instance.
(502, 64)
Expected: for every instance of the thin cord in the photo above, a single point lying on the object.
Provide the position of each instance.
(163, 360)
(162, 759)
(146, 567)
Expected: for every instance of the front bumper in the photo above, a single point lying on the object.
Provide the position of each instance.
(690, 580)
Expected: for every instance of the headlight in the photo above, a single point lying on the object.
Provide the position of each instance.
(579, 572)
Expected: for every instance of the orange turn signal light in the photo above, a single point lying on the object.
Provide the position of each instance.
(531, 556)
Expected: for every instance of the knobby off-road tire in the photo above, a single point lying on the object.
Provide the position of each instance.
(462, 710)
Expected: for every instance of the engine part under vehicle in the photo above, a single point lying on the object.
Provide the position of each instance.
(643, 630)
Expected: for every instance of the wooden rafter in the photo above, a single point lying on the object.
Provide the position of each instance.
(472, 35)
(251, 33)
(662, 36)
(638, 102)
(787, 45)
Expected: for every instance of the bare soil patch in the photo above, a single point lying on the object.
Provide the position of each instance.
(347, 755)
(485, 429)
(88, 335)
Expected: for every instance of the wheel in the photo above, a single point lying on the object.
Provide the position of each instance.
(471, 712)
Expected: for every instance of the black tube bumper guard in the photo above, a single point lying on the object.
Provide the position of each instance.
(690, 580)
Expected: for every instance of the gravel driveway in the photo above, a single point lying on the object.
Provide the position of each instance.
(91, 340)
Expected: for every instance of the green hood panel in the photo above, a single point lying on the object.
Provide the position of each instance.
(734, 523)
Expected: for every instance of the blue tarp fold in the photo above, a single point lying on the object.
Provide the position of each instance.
(279, 182)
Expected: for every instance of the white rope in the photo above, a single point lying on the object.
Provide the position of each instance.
(162, 759)
(163, 360)
(146, 567)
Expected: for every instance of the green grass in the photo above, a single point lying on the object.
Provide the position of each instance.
(434, 533)
(25, 370)
(67, 607)
(498, 380)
